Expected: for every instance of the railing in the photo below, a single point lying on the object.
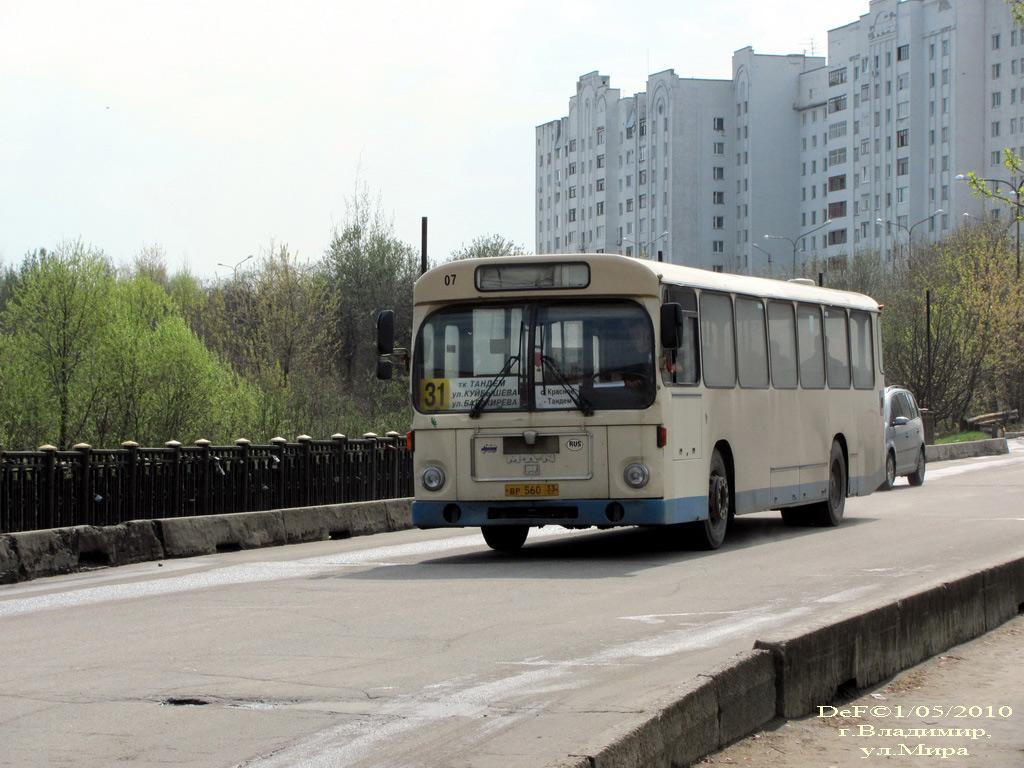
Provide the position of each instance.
(90, 486)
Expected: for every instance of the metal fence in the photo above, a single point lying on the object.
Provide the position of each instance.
(90, 486)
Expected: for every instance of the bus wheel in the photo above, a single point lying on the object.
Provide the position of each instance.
(829, 513)
(710, 533)
(890, 471)
(917, 476)
(505, 538)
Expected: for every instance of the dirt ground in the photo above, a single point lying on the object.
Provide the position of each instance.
(961, 709)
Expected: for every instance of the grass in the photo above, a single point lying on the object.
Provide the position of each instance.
(963, 437)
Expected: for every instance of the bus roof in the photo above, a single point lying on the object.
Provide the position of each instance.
(612, 274)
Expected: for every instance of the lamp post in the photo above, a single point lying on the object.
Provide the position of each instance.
(1017, 189)
(234, 269)
(644, 247)
(766, 253)
(909, 230)
(793, 242)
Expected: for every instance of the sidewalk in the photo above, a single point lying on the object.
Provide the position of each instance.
(963, 708)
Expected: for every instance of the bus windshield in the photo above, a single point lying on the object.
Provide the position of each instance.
(520, 356)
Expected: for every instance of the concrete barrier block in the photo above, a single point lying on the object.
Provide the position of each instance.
(1003, 589)
(10, 563)
(339, 521)
(45, 553)
(680, 733)
(812, 663)
(206, 535)
(745, 689)
(948, 451)
(941, 617)
(112, 545)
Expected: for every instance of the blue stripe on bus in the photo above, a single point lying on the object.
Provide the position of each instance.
(430, 514)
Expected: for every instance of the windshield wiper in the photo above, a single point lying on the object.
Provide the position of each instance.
(574, 394)
(499, 377)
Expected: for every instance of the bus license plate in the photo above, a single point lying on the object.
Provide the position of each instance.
(530, 490)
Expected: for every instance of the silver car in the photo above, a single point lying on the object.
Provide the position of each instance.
(904, 438)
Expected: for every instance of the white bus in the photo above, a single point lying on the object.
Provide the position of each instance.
(598, 390)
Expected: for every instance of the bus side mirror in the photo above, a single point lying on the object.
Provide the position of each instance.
(671, 325)
(384, 370)
(386, 332)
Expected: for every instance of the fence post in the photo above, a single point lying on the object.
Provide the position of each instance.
(306, 468)
(281, 497)
(49, 495)
(130, 489)
(371, 484)
(393, 464)
(175, 500)
(205, 503)
(339, 494)
(85, 502)
(246, 481)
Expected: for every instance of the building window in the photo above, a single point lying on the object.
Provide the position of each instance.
(718, 222)
(718, 173)
(837, 104)
(837, 76)
(996, 71)
(837, 237)
(572, 214)
(903, 53)
(600, 209)
(837, 210)
(902, 166)
(903, 137)
(837, 183)
(718, 123)
(718, 246)
(600, 136)
(997, 99)
(995, 129)
(718, 198)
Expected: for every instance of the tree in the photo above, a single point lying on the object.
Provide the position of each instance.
(53, 321)
(486, 246)
(974, 314)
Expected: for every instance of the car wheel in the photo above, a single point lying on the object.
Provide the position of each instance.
(890, 471)
(917, 476)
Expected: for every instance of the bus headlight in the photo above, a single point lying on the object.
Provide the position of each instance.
(636, 475)
(432, 478)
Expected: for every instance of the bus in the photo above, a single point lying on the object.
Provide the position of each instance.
(599, 390)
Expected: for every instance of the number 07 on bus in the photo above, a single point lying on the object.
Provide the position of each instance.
(598, 390)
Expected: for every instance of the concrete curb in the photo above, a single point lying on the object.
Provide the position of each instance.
(947, 451)
(790, 674)
(35, 554)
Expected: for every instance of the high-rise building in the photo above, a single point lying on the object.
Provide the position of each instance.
(795, 157)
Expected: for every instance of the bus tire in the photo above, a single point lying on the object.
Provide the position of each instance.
(710, 533)
(829, 513)
(505, 538)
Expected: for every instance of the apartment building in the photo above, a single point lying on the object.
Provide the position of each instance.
(796, 157)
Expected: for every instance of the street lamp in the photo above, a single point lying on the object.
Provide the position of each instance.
(793, 242)
(1017, 189)
(234, 269)
(909, 230)
(644, 247)
(766, 253)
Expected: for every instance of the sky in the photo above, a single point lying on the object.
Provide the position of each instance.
(217, 129)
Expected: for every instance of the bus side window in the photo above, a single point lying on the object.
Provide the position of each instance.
(718, 350)
(837, 348)
(810, 341)
(782, 335)
(682, 365)
(863, 350)
(750, 343)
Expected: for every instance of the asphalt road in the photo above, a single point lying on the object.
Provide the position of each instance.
(427, 649)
